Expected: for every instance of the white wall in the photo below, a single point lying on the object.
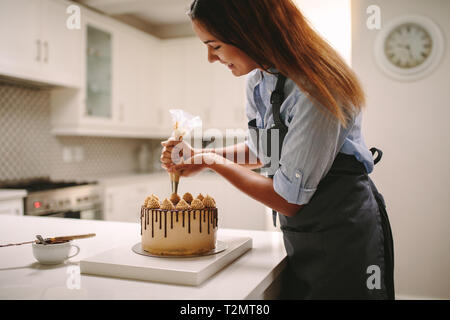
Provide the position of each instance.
(331, 19)
(409, 122)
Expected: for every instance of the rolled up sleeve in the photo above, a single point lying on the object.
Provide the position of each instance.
(291, 190)
(311, 144)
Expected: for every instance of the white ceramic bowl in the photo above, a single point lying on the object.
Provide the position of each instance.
(54, 253)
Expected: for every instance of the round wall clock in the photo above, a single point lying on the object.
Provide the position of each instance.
(409, 47)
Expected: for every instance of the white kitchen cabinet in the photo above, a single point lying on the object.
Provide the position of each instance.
(11, 202)
(123, 201)
(122, 85)
(150, 85)
(116, 204)
(229, 99)
(20, 55)
(174, 78)
(12, 207)
(124, 198)
(199, 84)
(137, 81)
(192, 83)
(236, 209)
(125, 67)
(61, 47)
(36, 45)
(121, 90)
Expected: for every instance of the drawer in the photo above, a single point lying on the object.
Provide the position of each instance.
(12, 207)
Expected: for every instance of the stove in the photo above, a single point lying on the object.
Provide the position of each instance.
(67, 199)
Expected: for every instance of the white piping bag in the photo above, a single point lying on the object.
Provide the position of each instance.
(183, 124)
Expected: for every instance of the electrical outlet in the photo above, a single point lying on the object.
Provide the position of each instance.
(78, 153)
(67, 154)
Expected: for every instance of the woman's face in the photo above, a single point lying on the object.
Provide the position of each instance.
(233, 58)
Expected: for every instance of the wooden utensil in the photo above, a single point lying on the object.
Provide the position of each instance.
(68, 238)
(52, 240)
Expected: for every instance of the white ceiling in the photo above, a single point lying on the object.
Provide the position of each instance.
(153, 16)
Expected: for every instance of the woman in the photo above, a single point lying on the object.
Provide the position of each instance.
(301, 92)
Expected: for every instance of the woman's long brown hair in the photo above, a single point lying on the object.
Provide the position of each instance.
(274, 33)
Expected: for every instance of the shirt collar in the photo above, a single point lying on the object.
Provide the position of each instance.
(269, 78)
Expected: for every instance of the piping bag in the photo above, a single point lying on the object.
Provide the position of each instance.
(183, 124)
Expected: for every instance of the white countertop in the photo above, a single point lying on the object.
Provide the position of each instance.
(10, 194)
(22, 277)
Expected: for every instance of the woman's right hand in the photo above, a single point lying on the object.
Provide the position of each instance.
(173, 151)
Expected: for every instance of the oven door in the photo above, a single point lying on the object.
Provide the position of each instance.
(89, 214)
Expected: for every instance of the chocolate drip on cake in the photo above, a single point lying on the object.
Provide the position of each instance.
(153, 229)
(209, 216)
(142, 211)
(215, 218)
(189, 222)
(165, 224)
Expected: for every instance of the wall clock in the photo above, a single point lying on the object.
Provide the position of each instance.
(409, 48)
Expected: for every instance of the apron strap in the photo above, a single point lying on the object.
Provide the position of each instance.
(276, 99)
(379, 154)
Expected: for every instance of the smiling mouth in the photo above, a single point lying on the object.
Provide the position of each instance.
(229, 65)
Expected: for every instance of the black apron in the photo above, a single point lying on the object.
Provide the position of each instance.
(340, 244)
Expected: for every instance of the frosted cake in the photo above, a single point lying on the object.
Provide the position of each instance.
(179, 226)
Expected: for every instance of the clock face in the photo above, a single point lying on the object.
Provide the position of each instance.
(408, 46)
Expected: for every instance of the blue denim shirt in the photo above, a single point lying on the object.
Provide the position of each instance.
(313, 140)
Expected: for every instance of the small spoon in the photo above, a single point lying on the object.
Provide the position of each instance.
(41, 240)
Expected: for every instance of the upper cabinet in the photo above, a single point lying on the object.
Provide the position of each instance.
(120, 92)
(111, 79)
(98, 80)
(210, 90)
(36, 45)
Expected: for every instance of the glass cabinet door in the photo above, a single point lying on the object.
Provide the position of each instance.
(98, 73)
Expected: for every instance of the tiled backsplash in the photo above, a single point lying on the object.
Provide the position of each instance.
(28, 149)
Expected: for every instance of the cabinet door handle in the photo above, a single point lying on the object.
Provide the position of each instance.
(45, 51)
(38, 44)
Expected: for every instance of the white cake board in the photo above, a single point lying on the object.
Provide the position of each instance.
(122, 262)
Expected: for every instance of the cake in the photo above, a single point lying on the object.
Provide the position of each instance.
(179, 226)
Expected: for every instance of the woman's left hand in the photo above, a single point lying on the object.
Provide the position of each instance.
(195, 164)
